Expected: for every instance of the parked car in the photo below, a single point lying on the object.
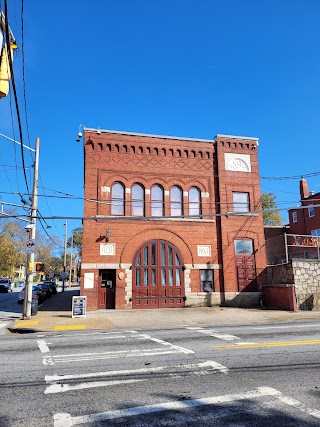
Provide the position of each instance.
(36, 292)
(7, 283)
(52, 286)
(46, 287)
(3, 288)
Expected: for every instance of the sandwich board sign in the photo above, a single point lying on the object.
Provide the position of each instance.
(79, 306)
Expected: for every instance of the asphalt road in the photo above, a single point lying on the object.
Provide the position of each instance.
(224, 376)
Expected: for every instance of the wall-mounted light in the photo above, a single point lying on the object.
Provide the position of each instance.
(81, 129)
(108, 232)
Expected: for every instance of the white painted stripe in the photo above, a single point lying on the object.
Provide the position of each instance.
(111, 353)
(298, 405)
(213, 333)
(113, 356)
(2, 325)
(61, 388)
(224, 337)
(305, 326)
(56, 384)
(66, 420)
(46, 356)
(176, 347)
(43, 346)
(209, 363)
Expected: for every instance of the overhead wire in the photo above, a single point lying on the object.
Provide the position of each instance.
(13, 85)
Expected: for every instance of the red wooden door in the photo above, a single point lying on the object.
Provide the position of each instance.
(245, 263)
(106, 289)
(157, 276)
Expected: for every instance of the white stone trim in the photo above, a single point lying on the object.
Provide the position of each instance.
(185, 194)
(207, 267)
(204, 195)
(128, 190)
(237, 162)
(166, 192)
(105, 189)
(99, 266)
(147, 191)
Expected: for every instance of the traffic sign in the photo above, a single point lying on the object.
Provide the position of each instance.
(30, 246)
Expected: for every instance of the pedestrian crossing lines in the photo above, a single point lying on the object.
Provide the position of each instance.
(140, 345)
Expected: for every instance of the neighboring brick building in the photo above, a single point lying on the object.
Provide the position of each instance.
(170, 221)
(306, 221)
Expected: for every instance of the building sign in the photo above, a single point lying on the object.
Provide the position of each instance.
(204, 250)
(237, 162)
(107, 249)
(79, 306)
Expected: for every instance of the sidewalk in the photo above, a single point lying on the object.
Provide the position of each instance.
(56, 315)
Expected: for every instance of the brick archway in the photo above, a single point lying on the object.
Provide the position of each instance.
(157, 276)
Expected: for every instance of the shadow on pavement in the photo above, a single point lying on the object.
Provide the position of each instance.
(60, 302)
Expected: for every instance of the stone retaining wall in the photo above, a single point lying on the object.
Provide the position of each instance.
(305, 276)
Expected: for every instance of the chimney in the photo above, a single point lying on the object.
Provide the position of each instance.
(304, 190)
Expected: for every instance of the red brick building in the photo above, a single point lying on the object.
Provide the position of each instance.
(305, 220)
(170, 221)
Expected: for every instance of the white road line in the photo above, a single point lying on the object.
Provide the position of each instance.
(61, 388)
(3, 324)
(286, 326)
(46, 356)
(66, 420)
(57, 383)
(208, 363)
(102, 356)
(175, 347)
(213, 333)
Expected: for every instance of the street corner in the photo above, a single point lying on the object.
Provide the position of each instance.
(21, 326)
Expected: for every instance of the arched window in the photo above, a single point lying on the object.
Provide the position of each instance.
(157, 205)
(194, 201)
(176, 205)
(117, 199)
(137, 200)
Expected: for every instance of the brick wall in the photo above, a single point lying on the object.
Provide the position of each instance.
(149, 160)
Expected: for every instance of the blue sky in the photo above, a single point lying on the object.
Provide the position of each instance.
(192, 68)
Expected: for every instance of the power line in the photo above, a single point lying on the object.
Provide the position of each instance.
(308, 175)
(14, 88)
(163, 218)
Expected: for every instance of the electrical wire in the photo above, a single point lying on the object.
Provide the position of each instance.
(13, 85)
(40, 221)
(163, 218)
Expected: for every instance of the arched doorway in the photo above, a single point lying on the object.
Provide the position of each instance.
(157, 276)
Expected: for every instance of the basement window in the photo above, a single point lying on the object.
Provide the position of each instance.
(206, 278)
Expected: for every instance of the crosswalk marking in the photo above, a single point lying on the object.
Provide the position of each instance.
(223, 337)
(163, 348)
(58, 383)
(66, 420)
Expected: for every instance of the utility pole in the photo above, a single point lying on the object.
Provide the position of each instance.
(70, 271)
(75, 270)
(65, 254)
(32, 235)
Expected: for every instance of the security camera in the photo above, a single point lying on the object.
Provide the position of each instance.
(80, 135)
(28, 227)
